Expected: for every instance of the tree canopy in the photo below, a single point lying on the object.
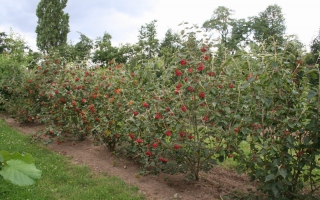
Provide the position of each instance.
(53, 24)
(220, 21)
(270, 22)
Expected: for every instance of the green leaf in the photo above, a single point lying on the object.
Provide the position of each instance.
(243, 86)
(306, 140)
(311, 94)
(178, 127)
(20, 173)
(221, 158)
(1, 159)
(275, 190)
(251, 78)
(227, 109)
(27, 158)
(274, 64)
(283, 172)
(269, 177)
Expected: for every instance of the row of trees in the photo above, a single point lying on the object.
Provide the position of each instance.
(233, 34)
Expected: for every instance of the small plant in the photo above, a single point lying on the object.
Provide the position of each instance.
(18, 169)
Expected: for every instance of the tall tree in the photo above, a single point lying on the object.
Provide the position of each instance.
(83, 47)
(147, 41)
(104, 51)
(314, 56)
(315, 45)
(169, 45)
(241, 32)
(270, 22)
(3, 42)
(53, 24)
(220, 21)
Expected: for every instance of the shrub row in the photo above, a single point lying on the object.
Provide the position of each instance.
(187, 116)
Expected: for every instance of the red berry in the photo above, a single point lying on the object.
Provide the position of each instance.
(144, 104)
(158, 116)
(155, 145)
(178, 72)
(168, 133)
(201, 67)
(139, 141)
(182, 134)
(202, 95)
(184, 108)
(191, 89)
(211, 73)
(183, 62)
(163, 160)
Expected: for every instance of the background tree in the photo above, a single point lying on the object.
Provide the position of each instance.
(83, 47)
(146, 48)
(270, 22)
(169, 45)
(240, 35)
(3, 42)
(311, 58)
(220, 21)
(147, 41)
(315, 48)
(105, 52)
(53, 24)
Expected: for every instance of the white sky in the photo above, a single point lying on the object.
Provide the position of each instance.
(123, 18)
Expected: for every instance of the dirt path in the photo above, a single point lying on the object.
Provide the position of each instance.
(213, 185)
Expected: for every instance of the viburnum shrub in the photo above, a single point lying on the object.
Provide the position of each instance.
(13, 63)
(189, 117)
(81, 102)
(282, 129)
(24, 96)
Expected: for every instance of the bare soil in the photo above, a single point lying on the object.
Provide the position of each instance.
(213, 185)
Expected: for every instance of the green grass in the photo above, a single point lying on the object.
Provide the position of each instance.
(60, 179)
(230, 163)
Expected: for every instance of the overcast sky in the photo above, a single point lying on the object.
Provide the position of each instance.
(123, 18)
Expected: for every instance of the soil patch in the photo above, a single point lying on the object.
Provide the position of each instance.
(213, 185)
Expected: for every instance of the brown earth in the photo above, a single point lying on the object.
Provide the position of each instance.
(213, 185)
